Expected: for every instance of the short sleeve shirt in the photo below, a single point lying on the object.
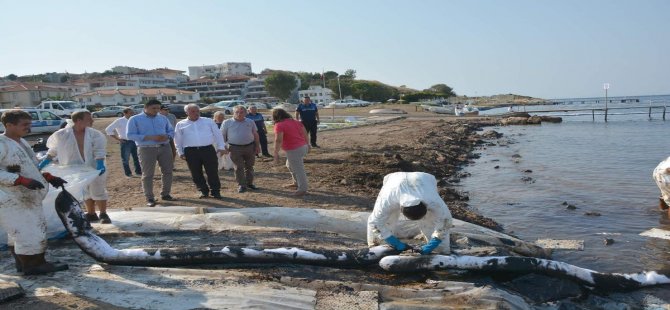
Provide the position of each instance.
(307, 112)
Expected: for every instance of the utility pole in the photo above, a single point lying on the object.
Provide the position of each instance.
(338, 85)
(606, 86)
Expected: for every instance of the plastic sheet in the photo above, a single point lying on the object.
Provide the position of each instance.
(77, 178)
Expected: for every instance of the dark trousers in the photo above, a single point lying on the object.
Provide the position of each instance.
(310, 126)
(244, 158)
(201, 157)
(263, 139)
(128, 148)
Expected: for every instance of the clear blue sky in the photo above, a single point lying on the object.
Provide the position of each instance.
(547, 49)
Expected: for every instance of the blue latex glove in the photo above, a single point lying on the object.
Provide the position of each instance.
(430, 246)
(44, 163)
(100, 165)
(396, 244)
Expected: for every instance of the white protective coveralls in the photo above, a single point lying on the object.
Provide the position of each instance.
(404, 189)
(662, 177)
(21, 213)
(63, 144)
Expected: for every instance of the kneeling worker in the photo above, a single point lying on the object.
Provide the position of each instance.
(414, 194)
(662, 177)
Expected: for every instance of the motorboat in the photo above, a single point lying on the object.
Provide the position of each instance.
(466, 110)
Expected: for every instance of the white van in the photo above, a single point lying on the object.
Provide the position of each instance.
(43, 121)
(62, 108)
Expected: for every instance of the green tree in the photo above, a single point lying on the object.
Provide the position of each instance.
(281, 84)
(329, 75)
(12, 77)
(372, 90)
(441, 89)
(350, 73)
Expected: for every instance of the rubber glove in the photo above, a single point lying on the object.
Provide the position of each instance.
(44, 163)
(396, 244)
(100, 165)
(430, 246)
(53, 180)
(28, 183)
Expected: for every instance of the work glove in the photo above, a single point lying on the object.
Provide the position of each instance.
(396, 244)
(100, 165)
(28, 183)
(44, 163)
(430, 246)
(53, 180)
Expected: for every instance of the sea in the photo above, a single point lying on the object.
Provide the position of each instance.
(526, 179)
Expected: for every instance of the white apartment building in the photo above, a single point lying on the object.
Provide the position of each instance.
(220, 70)
(316, 93)
(227, 88)
(107, 97)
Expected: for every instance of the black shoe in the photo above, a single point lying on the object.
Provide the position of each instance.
(151, 202)
(168, 198)
(316, 146)
(217, 195)
(104, 218)
(92, 217)
(241, 189)
(203, 196)
(251, 186)
(268, 155)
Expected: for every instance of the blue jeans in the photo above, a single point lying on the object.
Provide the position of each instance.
(129, 148)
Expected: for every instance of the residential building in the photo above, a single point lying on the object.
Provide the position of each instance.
(30, 94)
(227, 88)
(107, 97)
(255, 92)
(316, 93)
(220, 70)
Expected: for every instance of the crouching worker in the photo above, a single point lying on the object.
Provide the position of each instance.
(22, 188)
(414, 194)
(662, 177)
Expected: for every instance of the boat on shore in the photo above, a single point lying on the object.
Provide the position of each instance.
(466, 110)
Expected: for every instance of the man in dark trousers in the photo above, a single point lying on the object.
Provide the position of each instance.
(260, 126)
(308, 114)
(198, 140)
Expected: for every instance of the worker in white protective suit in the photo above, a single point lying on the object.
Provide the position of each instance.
(22, 188)
(83, 145)
(414, 194)
(662, 177)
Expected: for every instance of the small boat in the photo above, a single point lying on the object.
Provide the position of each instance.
(466, 110)
(446, 109)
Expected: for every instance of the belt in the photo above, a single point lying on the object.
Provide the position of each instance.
(153, 145)
(241, 144)
(199, 147)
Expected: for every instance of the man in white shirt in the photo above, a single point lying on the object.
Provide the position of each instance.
(117, 130)
(198, 140)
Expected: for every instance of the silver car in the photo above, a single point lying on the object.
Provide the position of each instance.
(109, 111)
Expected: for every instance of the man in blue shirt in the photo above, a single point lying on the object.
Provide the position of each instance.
(260, 126)
(308, 114)
(152, 133)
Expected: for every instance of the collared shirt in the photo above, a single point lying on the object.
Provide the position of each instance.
(119, 126)
(142, 125)
(307, 111)
(239, 132)
(201, 132)
(259, 120)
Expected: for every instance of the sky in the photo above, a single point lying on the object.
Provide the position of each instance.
(545, 49)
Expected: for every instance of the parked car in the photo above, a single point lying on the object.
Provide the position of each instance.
(138, 108)
(44, 121)
(109, 111)
(177, 109)
(226, 106)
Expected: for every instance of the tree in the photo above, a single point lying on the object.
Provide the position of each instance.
(441, 90)
(12, 77)
(281, 84)
(372, 90)
(329, 75)
(350, 73)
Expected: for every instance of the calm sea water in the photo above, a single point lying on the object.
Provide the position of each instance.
(596, 166)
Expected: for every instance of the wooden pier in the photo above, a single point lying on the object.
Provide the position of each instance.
(649, 110)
